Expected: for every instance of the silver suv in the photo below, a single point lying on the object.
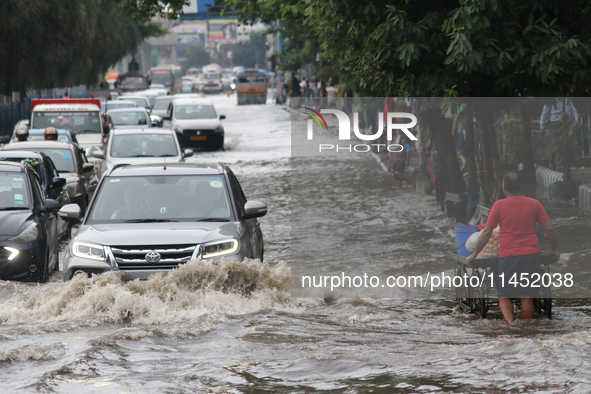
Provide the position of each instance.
(145, 219)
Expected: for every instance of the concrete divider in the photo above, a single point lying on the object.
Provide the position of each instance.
(585, 196)
(546, 176)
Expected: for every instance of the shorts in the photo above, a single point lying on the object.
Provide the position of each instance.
(399, 167)
(512, 267)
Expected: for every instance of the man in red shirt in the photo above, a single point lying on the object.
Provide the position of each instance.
(519, 250)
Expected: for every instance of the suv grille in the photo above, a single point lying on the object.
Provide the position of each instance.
(135, 257)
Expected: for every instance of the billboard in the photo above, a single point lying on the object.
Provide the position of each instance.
(222, 30)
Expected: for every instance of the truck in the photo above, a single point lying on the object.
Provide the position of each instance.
(82, 117)
(168, 75)
(132, 81)
(212, 79)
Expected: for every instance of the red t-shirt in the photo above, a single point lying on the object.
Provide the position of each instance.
(517, 217)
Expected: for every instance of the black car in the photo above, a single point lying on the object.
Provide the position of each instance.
(28, 225)
(71, 163)
(53, 186)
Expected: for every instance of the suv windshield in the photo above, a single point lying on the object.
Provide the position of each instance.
(143, 145)
(195, 111)
(73, 121)
(173, 198)
(14, 191)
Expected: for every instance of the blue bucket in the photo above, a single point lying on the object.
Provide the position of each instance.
(462, 235)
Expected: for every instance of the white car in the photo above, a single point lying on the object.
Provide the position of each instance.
(140, 101)
(118, 104)
(196, 123)
(141, 146)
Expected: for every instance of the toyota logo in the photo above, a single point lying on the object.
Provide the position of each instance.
(153, 257)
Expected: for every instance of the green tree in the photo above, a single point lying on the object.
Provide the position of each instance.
(52, 43)
(196, 56)
(463, 48)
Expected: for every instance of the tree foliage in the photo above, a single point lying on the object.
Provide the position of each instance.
(443, 47)
(453, 48)
(144, 10)
(54, 43)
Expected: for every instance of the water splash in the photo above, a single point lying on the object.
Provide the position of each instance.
(193, 290)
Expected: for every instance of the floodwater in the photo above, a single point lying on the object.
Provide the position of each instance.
(234, 328)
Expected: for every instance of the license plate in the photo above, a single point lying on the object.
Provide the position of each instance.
(198, 137)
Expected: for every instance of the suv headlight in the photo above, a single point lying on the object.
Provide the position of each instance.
(218, 129)
(220, 248)
(88, 250)
(29, 234)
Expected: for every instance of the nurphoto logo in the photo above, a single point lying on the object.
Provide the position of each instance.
(344, 125)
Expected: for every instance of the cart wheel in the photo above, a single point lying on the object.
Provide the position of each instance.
(548, 301)
(479, 301)
(544, 303)
(462, 295)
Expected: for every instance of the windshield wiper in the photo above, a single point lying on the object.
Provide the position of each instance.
(85, 131)
(150, 220)
(214, 220)
(141, 155)
(13, 208)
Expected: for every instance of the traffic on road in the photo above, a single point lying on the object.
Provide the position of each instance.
(148, 188)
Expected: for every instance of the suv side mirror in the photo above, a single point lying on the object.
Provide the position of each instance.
(58, 182)
(70, 212)
(188, 153)
(254, 209)
(50, 206)
(222, 117)
(99, 154)
(88, 167)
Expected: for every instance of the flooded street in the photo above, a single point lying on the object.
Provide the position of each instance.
(235, 328)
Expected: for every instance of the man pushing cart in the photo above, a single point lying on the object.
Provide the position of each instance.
(519, 254)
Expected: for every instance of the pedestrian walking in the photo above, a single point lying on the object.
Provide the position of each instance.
(551, 120)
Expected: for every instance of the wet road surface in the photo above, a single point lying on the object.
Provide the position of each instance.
(244, 333)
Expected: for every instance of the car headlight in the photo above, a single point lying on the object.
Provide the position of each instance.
(29, 234)
(222, 248)
(90, 251)
(13, 252)
(218, 129)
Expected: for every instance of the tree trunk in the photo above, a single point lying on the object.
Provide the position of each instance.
(480, 169)
(491, 156)
(469, 155)
(529, 171)
(454, 181)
